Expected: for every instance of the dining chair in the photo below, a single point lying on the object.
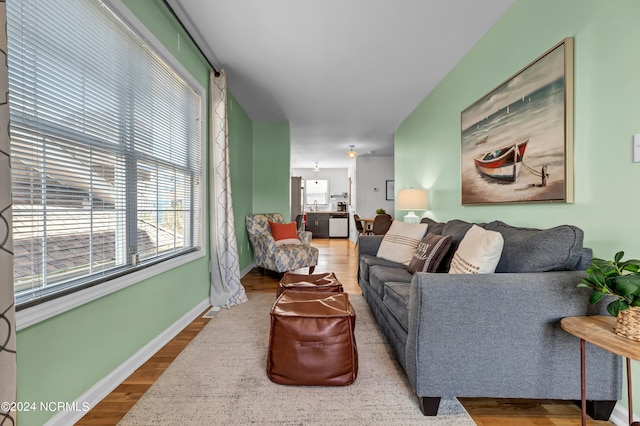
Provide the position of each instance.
(381, 224)
(359, 228)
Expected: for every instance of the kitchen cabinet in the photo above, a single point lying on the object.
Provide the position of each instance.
(318, 225)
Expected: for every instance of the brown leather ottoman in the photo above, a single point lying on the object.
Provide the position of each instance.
(311, 340)
(325, 282)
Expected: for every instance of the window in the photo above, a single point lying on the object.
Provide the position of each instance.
(317, 191)
(106, 142)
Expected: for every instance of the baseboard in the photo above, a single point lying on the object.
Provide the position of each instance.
(248, 269)
(620, 415)
(105, 386)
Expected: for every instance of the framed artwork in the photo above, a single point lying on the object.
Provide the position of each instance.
(517, 140)
(390, 191)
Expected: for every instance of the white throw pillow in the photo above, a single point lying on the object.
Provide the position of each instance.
(478, 253)
(401, 241)
(289, 242)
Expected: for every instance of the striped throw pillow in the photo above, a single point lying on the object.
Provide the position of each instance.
(401, 241)
(478, 253)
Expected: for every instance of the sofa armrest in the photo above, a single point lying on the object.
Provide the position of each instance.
(305, 237)
(369, 244)
(486, 335)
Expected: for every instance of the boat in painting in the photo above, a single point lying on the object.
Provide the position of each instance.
(503, 163)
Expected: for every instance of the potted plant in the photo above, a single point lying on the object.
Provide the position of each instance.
(381, 211)
(614, 278)
(622, 281)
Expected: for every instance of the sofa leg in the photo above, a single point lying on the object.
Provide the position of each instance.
(311, 269)
(429, 405)
(599, 410)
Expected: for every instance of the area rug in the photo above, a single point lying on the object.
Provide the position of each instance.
(220, 378)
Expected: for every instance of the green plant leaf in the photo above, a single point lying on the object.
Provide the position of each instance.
(636, 302)
(589, 282)
(598, 264)
(618, 256)
(596, 296)
(627, 285)
(630, 280)
(609, 270)
(632, 265)
(615, 307)
(598, 277)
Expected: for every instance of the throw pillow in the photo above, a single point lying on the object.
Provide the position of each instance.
(401, 241)
(429, 254)
(285, 233)
(457, 229)
(478, 253)
(289, 242)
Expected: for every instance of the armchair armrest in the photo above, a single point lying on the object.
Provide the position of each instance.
(305, 237)
(486, 334)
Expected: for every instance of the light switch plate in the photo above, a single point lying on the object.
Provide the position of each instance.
(636, 148)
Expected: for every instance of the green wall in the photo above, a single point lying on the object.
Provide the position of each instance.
(607, 111)
(271, 168)
(241, 161)
(61, 358)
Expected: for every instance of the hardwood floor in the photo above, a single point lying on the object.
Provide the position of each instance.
(339, 256)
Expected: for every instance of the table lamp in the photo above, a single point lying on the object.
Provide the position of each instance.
(412, 199)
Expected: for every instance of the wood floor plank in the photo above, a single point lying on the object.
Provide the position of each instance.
(339, 256)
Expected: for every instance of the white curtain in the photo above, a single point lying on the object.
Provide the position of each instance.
(226, 289)
(7, 306)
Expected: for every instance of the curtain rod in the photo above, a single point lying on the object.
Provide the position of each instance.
(166, 3)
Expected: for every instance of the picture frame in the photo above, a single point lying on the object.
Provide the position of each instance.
(517, 140)
(390, 191)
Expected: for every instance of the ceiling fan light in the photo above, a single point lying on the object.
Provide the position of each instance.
(351, 153)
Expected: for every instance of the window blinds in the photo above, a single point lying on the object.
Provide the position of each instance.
(106, 146)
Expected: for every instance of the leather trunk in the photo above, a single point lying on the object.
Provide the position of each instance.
(325, 282)
(312, 341)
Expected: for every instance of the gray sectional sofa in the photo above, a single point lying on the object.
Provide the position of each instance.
(492, 335)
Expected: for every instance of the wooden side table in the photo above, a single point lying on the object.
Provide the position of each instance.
(598, 330)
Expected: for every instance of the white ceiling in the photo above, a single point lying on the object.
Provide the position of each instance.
(341, 72)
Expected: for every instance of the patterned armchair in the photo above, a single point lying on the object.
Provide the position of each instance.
(282, 258)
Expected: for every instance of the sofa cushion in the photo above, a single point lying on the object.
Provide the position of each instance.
(478, 253)
(585, 259)
(401, 241)
(434, 227)
(538, 250)
(396, 299)
(380, 275)
(457, 229)
(429, 254)
(367, 261)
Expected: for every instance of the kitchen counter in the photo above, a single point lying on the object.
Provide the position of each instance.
(328, 224)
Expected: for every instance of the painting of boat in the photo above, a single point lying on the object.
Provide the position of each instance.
(503, 163)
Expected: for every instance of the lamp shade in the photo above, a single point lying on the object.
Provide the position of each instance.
(411, 199)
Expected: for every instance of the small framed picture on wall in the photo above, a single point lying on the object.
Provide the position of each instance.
(390, 190)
